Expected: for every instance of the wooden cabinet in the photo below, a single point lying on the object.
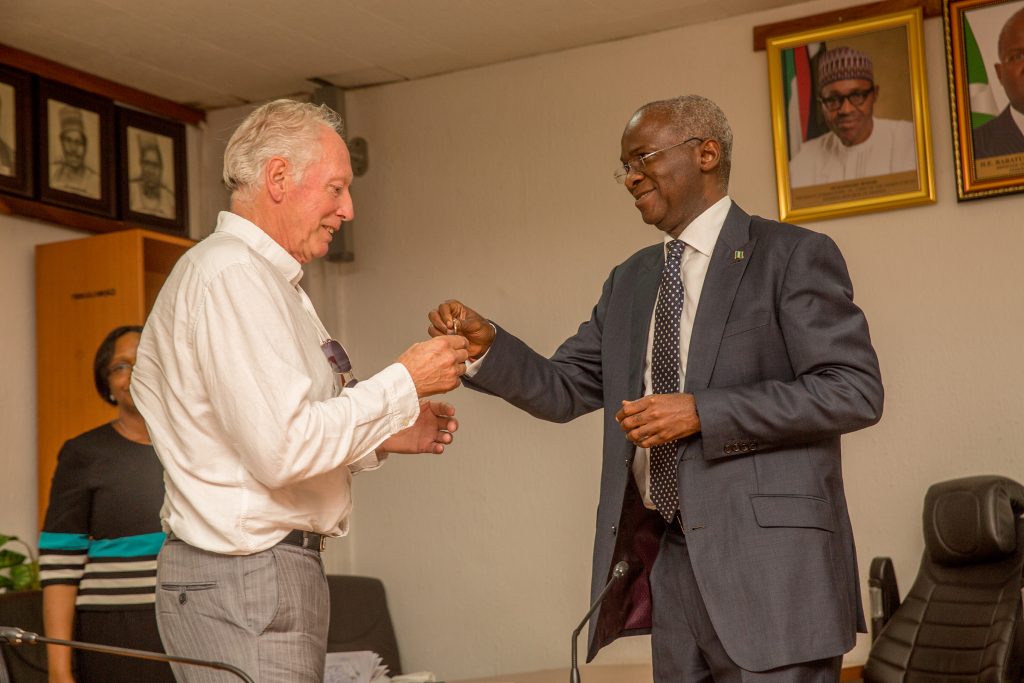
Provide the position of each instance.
(84, 289)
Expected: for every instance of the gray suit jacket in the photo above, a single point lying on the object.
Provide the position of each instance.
(780, 364)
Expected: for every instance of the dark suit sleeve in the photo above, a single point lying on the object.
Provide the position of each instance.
(559, 389)
(834, 385)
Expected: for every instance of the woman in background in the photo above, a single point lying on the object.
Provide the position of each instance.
(102, 534)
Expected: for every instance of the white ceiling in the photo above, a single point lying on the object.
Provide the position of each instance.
(217, 53)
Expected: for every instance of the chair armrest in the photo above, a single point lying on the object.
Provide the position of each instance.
(884, 594)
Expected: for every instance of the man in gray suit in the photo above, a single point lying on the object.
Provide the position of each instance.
(724, 404)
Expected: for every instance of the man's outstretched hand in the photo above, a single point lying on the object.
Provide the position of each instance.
(431, 432)
(436, 365)
(455, 318)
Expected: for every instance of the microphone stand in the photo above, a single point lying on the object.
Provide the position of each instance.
(16, 636)
(617, 573)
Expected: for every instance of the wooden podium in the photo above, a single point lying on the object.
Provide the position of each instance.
(84, 289)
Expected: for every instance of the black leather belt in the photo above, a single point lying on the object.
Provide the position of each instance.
(305, 539)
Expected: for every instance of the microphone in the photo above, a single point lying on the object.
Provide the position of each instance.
(17, 636)
(618, 572)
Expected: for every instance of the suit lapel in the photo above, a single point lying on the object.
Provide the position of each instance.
(1015, 132)
(729, 259)
(644, 295)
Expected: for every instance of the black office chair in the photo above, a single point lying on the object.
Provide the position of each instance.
(360, 619)
(961, 620)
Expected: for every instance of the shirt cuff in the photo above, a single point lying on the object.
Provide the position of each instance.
(400, 393)
(473, 366)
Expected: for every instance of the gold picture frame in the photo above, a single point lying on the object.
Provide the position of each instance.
(988, 145)
(870, 156)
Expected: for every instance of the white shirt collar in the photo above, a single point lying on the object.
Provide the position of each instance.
(702, 232)
(261, 243)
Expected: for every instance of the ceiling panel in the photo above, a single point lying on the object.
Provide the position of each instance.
(214, 54)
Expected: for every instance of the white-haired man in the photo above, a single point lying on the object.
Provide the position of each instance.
(254, 412)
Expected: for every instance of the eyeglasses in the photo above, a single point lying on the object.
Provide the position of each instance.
(120, 369)
(835, 102)
(638, 164)
(338, 358)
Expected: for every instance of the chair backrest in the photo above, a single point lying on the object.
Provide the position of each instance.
(24, 663)
(360, 619)
(961, 620)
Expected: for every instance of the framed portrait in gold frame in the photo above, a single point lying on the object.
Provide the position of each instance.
(985, 65)
(850, 122)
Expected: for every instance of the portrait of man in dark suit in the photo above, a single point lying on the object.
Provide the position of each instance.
(729, 358)
(1003, 134)
(6, 140)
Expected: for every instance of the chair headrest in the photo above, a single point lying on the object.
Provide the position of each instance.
(972, 520)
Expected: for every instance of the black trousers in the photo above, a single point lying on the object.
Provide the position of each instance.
(134, 629)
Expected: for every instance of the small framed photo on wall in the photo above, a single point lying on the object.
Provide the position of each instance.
(153, 171)
(76, 151)
(16, 132)
(850, 118)
(985, 59)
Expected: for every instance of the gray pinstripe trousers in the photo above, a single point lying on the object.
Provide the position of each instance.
(265, 613)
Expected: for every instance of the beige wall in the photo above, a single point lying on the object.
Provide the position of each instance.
(495, 185)
(18, 238)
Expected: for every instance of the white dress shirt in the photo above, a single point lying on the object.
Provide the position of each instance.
(825, 159)
(700, 237)
(254, 434)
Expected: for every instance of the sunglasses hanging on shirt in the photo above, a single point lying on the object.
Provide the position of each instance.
(338, 358)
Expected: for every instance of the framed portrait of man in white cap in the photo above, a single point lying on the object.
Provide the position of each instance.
(77, 149)
(849, 118)
(16, 126)
(153, 171)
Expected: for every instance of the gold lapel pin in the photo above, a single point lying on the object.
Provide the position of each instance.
(737, 255)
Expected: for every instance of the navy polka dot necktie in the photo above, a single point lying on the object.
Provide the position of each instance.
(665, 375)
